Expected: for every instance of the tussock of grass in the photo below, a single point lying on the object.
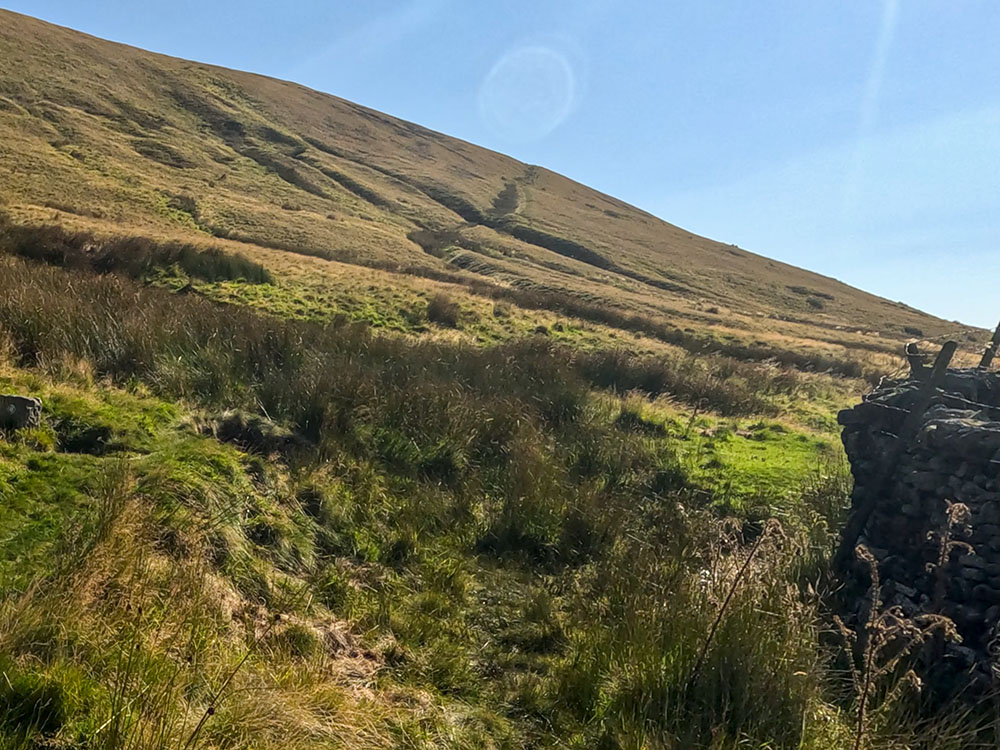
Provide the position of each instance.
(135, 257)
(740, 391)
(316, 378)
(443, 311)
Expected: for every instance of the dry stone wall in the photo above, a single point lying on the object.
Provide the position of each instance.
(935, 527)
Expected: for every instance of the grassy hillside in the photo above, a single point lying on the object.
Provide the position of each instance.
(109, 137)
(358, 436)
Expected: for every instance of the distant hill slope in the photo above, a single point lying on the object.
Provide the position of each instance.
(116, 138)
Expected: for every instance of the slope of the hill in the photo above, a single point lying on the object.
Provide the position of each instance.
(470, 456)
(113, 138)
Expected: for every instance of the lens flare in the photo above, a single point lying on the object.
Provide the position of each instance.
(527, 94)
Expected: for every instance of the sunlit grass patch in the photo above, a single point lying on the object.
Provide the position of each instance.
(749, 460)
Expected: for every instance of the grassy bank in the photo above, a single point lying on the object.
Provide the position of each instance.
(238, 530)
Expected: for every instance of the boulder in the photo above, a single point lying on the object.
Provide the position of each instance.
(19, 412)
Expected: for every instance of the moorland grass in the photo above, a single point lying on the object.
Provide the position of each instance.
(134, 256)
(699, 343)
(465, 548)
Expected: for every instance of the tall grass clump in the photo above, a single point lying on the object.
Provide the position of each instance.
(443, 310)
(703, 642)
(689, 379)
(135, 257)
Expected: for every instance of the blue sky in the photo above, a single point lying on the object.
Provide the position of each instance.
(857, 138)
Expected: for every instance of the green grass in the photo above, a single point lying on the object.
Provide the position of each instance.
(476, 486)
(296, 303)
(464, 547)
(739, 462)
(48, 476)
(760, 459)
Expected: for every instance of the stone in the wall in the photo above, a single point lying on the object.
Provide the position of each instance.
(19, 412)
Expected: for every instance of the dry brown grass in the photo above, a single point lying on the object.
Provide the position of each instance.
(881, 647)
